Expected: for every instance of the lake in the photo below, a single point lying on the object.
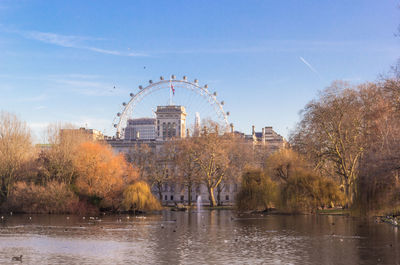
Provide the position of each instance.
(208, 237)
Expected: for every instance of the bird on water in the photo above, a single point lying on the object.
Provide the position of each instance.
(17, 258)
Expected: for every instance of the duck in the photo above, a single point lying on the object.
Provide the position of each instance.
(17, 258)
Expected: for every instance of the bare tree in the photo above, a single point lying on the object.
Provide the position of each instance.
(187, 168)
(331, 134)
(211, 156)
(141, 157)
(160, 169)
(15, 150)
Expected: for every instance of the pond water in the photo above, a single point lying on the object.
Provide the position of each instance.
(208, 237)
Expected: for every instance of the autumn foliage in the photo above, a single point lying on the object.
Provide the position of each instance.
(138, 197)
(101, 174)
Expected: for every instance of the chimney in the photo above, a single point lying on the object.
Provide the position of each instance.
(253, 130)
(232, 128)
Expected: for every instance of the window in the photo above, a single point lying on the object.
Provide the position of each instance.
(165, 197)
(182, 198)
(172, 197)
(227, 197)
(227, 188)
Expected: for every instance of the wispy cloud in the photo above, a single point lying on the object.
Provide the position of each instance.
(40, 107)
(310, 67)
(86, 85)
(40, 97)
(68, 41)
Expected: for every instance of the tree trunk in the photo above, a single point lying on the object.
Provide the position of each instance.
(159, 193)
(212, 198)
(219, 190)
(189, 187)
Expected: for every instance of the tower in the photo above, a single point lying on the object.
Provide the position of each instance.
(197, 125)
(171, 122)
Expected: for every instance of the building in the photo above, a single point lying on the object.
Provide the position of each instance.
(92, 134)
(267, 137)
(171, 122)
(140, 129)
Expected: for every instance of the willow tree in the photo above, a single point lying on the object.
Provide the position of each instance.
(15, 150)
(138, 197)
(331, 133)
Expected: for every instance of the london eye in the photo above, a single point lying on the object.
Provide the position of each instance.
(199, 100)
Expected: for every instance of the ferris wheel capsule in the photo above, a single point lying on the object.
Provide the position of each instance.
(215, 94)
(228, 113)
(119, 114)
(222, 102)
(132, 95)
(206, 86)
(173, 76)
(123, 104)
(184, 77)
(115, 125)
(151, 81)
(140, 87)
(161, 78)
(196, 81)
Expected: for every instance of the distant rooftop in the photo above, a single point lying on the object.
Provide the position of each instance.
(171, 108)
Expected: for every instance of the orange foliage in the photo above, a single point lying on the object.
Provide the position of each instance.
(101, 173)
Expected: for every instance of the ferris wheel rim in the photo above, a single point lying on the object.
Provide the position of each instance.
(147, 90)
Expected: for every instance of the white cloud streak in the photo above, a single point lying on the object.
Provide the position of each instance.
(69, 41)
(310, 66)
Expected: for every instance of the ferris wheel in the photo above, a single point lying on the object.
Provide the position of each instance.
(198, 100)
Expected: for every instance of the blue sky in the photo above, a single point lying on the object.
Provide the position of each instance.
(59, 60)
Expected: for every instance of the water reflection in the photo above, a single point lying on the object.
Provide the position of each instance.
(208, 237)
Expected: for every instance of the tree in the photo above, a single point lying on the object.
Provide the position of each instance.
(283, 164)
(138, 197)
(101, 175)
(305, 191)
(187, 167)
(211, 156)
(141, 157)
(331, 133)
(379, 178)
(257, 192)
(160, 169)
(15, 150)
(56, 162)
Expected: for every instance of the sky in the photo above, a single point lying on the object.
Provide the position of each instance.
(60, 60)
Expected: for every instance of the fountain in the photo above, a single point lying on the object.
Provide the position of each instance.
(198, 203)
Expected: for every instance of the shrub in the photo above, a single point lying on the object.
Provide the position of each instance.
(306, 191)
(257, 192)
(138, 197)
(55, 197)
